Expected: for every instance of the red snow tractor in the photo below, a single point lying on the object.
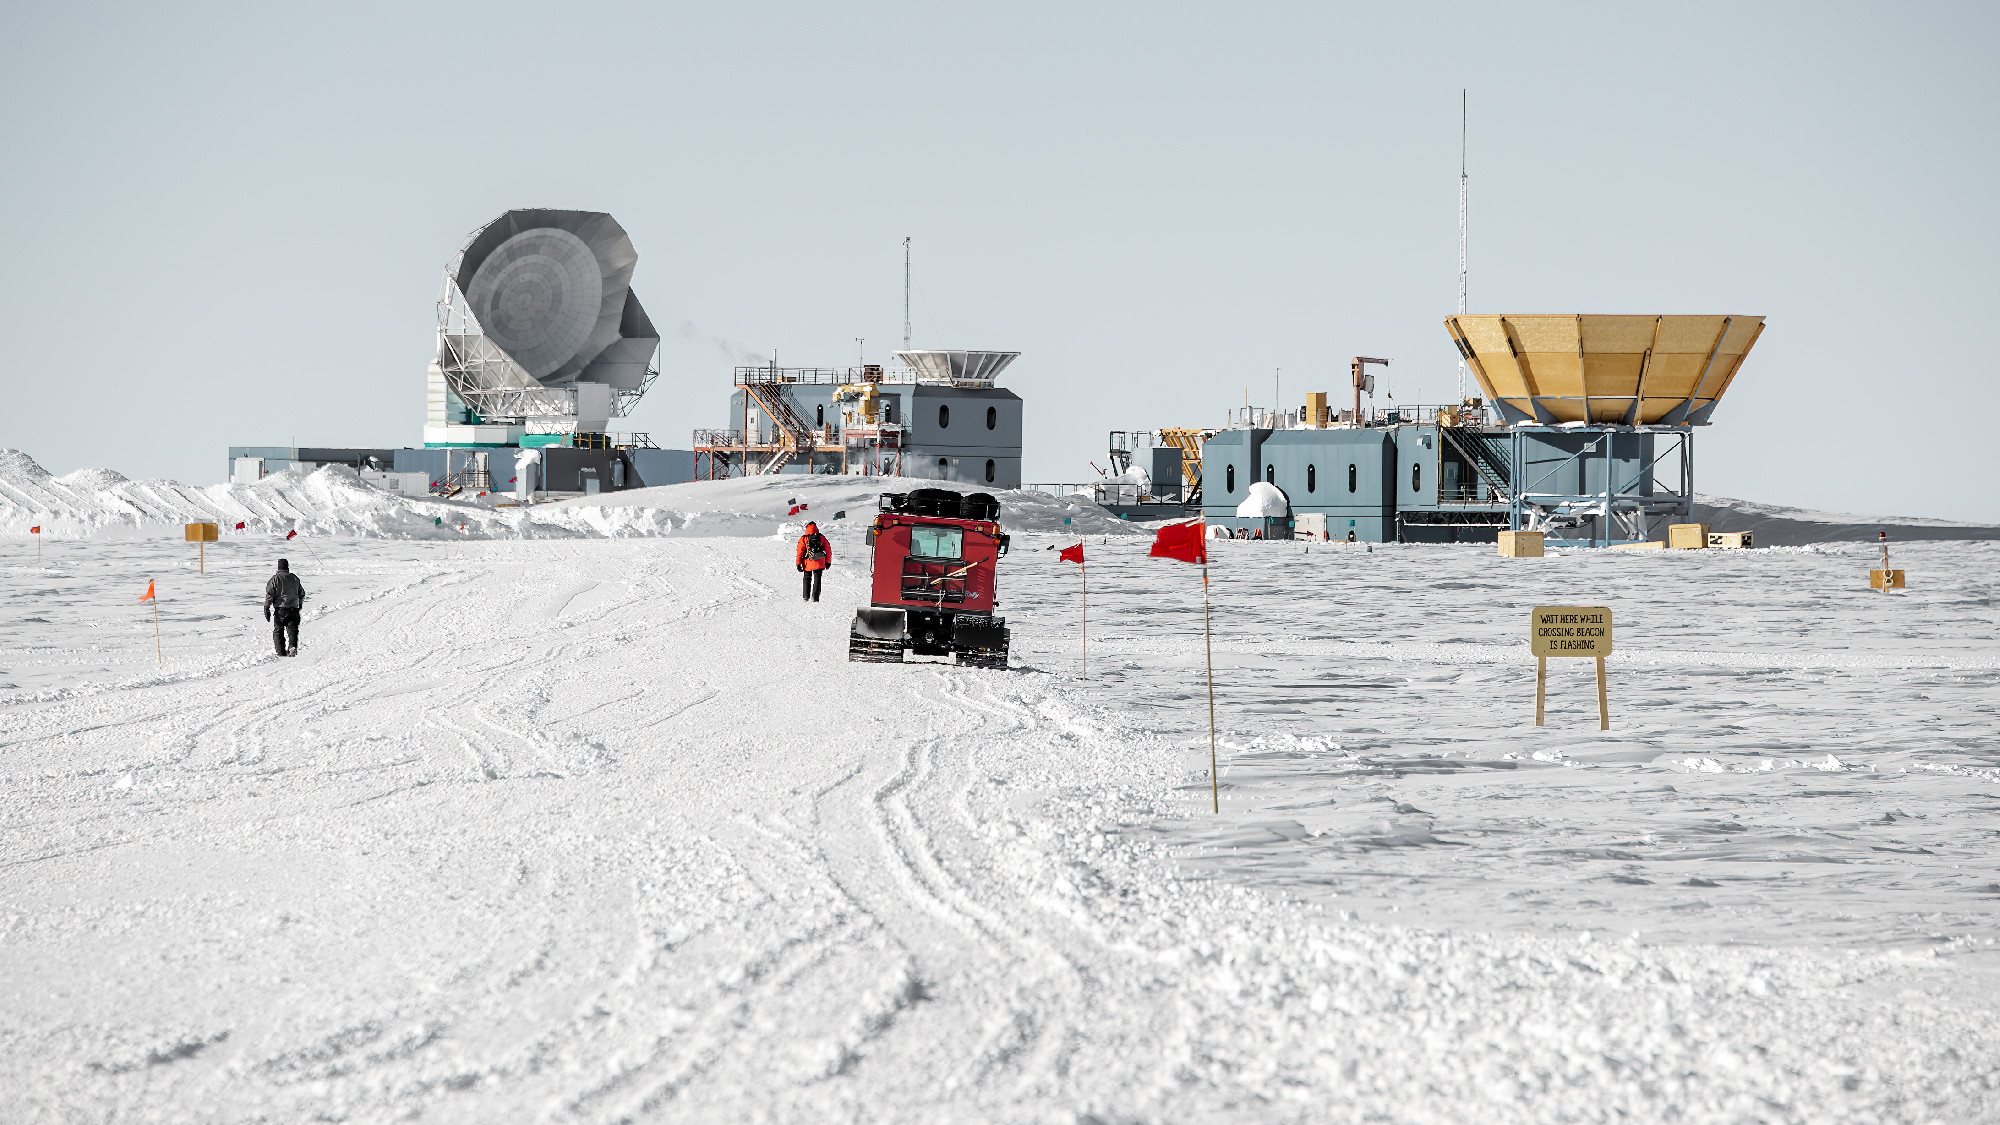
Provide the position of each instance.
(932, 580)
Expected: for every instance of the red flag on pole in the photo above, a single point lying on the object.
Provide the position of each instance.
(291, 535)
(794, 510)
(239, 526)
(35, 530)
(1072, 554)
(1187, 542)
(148, 595)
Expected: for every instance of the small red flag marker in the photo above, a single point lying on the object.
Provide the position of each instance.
(158, 654)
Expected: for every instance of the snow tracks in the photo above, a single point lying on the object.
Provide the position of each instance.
(612, 831)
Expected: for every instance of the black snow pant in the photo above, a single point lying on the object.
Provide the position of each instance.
(812, 584)
(285, 631)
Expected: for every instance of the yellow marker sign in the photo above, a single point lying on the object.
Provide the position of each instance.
(204, 534)
(1885, 579)
(1570, 630)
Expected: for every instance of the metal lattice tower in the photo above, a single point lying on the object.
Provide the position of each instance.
(906, 293)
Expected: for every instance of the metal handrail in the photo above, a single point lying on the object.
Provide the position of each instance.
(746, 376)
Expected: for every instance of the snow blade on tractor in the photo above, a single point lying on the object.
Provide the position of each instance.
(932, 581)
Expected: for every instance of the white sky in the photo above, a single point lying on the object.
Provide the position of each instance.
(227, 226)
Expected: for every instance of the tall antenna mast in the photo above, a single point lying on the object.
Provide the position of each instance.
(1461, 231)
(906, 290)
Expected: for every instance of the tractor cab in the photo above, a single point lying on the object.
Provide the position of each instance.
(932, 580)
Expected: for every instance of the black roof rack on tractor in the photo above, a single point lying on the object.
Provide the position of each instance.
(942, 503)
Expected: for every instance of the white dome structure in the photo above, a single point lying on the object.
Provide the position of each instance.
(1264, 501)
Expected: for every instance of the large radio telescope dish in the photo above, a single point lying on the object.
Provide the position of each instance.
(538, 304)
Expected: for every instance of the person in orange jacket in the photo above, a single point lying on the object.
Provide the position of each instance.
(814, 555)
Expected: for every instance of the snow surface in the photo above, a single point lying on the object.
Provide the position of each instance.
(607, 828)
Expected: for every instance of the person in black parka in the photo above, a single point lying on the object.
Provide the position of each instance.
(284, 595)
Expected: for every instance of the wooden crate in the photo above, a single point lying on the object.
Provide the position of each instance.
(1521, 544)
(1731, 540)
(1687, 536)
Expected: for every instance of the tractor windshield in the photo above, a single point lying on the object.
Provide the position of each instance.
(937, 542)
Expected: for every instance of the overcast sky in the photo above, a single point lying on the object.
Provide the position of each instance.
(227, 225)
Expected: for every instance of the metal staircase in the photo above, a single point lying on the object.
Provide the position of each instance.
(1474, 448)
(798, 434)
(1189, 442)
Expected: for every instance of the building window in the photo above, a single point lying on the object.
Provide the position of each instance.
(944, 417)
(889, 413)
(1231, 479)
(1312, 477)
(992, 417)
(989, 468)
(822, 414)
(1417, 477)
(944, 468)
(1353, 478)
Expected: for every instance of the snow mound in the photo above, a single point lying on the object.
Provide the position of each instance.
(333, 501)
(757, 505)
(18, 466)
(1264, 500)
(92, 479)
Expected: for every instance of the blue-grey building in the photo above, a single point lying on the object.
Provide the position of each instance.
(1432, 481)
(938, 417)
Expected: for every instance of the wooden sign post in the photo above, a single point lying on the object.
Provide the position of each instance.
(1885, 579)
(204, 534)
(1570, 630)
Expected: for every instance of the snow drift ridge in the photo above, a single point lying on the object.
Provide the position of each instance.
(332, 500)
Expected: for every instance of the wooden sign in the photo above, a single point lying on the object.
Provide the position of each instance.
(204, 534)
(1570, 630)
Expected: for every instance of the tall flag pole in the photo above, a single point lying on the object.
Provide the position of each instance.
(1075, 555)
(1208, 655)
(36, 531)
(1188, 542)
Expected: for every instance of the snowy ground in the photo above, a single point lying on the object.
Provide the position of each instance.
(602, 830)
